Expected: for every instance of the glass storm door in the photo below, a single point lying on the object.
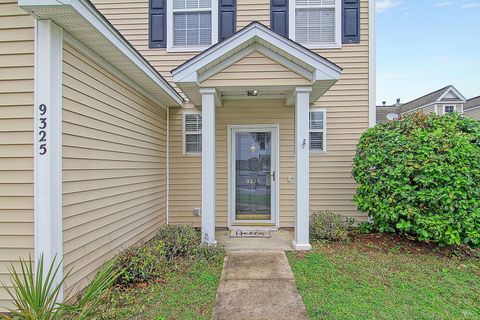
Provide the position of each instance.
(254, 174)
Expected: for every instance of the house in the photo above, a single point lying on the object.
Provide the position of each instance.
(440, 102)
(471, 108)
(119, 117)
(384, 111)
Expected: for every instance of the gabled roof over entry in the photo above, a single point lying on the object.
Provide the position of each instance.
(80, 19)
(318, 71)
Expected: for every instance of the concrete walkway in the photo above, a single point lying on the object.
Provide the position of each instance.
(258, 285)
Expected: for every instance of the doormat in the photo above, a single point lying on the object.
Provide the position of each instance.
(249, 233)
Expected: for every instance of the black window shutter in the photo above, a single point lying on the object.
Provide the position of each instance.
(279, 16)
(158, 24)
(227, 18)
(351, 21)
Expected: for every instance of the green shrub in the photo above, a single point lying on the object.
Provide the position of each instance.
(142, 263)
(326, 225)
(209, 252)
(366, 227)
(421, 176)
(179, 240)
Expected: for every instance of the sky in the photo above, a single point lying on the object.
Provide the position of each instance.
(424, 45)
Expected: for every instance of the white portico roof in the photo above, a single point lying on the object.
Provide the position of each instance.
(317, 70)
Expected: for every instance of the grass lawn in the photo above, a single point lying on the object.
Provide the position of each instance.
(385, 277)
(188, 293)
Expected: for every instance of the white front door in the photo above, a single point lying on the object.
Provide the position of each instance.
(253, 175)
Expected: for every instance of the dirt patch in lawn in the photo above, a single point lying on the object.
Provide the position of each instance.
(388, 243)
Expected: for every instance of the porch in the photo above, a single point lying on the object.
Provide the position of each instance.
(279, 240)
(254, 91)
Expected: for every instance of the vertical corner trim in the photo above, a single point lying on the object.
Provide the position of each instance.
(372, 66)
(48, 143)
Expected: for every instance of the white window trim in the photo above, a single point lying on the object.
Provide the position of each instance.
(184, 134)
(171, 47)
(315, 151)
(338, 26)
(449, 105)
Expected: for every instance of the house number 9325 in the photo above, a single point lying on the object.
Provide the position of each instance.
(42, 129)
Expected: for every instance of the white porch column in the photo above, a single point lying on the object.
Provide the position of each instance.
(208, 165)
(302, 157)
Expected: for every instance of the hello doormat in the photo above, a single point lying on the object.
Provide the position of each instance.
(249, 233)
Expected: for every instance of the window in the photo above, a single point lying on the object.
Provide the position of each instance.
(316, 23)
(192, 24)
(192, 128)
(317, 127)
(448, 109)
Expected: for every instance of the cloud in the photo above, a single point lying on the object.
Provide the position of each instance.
(444, 3)
(384, 5)
(470, 5)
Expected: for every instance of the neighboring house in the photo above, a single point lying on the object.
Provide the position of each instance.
(471, 108)
(444, 100)
(192, 112)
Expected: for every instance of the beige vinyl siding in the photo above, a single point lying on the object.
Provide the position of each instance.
(332, 186)
(253, 10)
(184, 189)
(430, 109)
(472, 113)
(16, 139)
(130, 17)
(255, 68)
(114, 165)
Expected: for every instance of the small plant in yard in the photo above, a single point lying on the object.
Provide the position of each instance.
(172, 276)
(172, 246)
(142, 263)
(366, 227)
(179, 240)
(326, 225)
(36, 292)
(420, 176)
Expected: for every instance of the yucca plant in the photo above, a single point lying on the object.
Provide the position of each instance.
(36, 292)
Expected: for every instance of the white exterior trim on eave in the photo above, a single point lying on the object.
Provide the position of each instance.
(86, 11)
(455, 91)
(187, 72)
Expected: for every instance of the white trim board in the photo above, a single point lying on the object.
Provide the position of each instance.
(372, 65)
(326, 70)
(48, 144)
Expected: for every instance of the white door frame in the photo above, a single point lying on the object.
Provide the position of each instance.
(275, 166)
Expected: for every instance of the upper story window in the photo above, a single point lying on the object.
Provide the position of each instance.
(448, 109)
(316, 23)
(317, 127)
(192, 24)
